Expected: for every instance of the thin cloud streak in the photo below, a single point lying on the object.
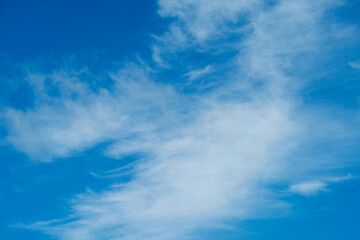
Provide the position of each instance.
(314, 187)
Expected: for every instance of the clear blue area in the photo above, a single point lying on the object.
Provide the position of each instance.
(31, 29)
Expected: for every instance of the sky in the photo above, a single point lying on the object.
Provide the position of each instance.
(191, 119)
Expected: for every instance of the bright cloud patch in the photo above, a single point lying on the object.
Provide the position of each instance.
(308, 188)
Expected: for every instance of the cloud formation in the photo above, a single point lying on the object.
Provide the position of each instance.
(77, 118)
(308, 188)
(314, 187)
(354, 65)
(209, 157)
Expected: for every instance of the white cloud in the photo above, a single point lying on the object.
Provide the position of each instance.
(196, 73)
(341, 179)
(208, 158)
(308, 188)
(354, 65)
(80, 118)
(207, 19)
(215, 168)
(198, 23)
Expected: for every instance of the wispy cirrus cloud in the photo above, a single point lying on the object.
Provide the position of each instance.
(354, 65)
(308, 188)
(68, 116)
(196, 73)
(209, 157)
(314, 187)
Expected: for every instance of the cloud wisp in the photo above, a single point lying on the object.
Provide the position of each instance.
(310, 188)
(208, 157)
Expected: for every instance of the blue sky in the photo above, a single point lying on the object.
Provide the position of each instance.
(179, 119)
